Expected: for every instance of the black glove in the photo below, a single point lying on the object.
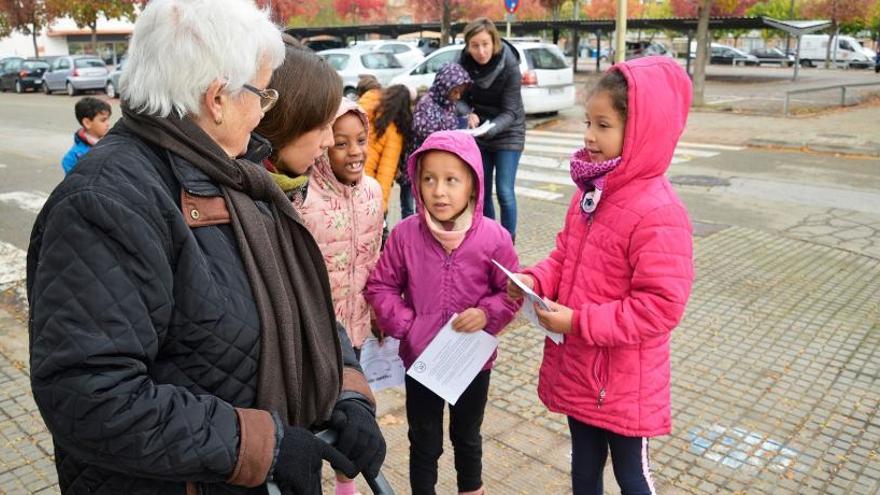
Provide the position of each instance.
(299, 461)
(360, 438)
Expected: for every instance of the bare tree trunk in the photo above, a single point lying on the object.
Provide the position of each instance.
(831, 39)
(34, 39)
(702, 53)
(831, 36)
(94, 27)
(445, 23)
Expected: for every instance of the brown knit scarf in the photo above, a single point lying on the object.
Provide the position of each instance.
(300, 365)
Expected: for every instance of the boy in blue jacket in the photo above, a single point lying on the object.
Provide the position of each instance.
(93, 115)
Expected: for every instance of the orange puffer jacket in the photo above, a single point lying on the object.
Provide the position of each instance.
(383, 157)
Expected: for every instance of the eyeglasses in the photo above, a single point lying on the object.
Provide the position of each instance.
(268, 97)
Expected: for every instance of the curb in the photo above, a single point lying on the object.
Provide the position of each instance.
(827, 148)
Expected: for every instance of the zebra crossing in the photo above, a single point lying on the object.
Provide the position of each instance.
(543, 168)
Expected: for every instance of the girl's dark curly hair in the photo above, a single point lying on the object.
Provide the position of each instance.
(395, 107)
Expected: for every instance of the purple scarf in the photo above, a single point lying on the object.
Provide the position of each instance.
(590, 177)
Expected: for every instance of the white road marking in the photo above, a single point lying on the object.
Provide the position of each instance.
(31, 201)
(547, 177)
(536, 193)
(543, 162)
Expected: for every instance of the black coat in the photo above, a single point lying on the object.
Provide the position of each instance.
(496, 95)
(144, 332)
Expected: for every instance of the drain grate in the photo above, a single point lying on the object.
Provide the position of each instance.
(699, 180)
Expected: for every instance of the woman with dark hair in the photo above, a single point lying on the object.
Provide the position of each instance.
(182, 331)
(299, 127)
(493, 65)
(391, 134)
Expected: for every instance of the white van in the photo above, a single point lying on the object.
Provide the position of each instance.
(814, 48)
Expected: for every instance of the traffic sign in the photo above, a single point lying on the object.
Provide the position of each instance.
(511, 5)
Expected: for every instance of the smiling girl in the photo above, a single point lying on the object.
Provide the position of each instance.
(343, 211)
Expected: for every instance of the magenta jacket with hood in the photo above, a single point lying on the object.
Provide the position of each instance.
(416, 287)
(626, 272)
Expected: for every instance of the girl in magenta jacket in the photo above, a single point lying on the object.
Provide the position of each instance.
(437, 263)
(620, 276)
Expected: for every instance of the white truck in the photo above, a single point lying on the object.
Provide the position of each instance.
(814, 48)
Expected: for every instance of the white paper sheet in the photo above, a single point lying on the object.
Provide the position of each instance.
(382, 366)
(528, 305)
(479, 131)
(452, 360)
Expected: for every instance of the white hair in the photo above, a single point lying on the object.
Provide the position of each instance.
(179, 47)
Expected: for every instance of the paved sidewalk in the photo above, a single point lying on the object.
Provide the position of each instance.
(776, 381)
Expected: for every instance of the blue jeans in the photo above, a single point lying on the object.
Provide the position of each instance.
(407, 203)
(589, 451)
(502, 165)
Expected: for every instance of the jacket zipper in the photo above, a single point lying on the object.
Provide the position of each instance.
(601, 378)
(597, 368)
(353, 261)
(580, 254)
(447, 264)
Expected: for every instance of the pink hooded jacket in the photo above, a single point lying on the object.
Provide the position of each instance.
(416, 287)
(626, 272)
(346, 221)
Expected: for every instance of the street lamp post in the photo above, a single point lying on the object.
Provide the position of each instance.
(620, 34)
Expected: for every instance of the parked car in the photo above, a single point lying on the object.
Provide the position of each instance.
(772, 56)
(22, 74)
(319, 43)
(644, 48)
(112, 86)
(428, 45)
(7, 59)
(75, 73)
(547, 82)
(727, 55)
(408, 54)
(351, 64)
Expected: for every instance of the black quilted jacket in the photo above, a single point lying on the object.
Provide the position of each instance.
(496, 95)
(144, 332)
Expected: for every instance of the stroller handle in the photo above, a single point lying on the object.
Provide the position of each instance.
(379, 484)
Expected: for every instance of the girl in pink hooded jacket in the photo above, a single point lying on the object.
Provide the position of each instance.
(620, 274)
(435, 264)
(343, 211)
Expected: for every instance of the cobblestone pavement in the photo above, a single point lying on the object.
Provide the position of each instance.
(775, 381)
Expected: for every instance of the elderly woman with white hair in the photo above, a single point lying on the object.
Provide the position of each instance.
(182, 332)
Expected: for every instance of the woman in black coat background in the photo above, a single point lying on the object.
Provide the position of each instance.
(494, 66)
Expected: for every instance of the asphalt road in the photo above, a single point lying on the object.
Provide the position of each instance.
(724, 185)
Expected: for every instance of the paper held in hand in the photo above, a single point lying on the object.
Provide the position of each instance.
(479, 131)
(382, 366)
(528, 305)
(452, 360)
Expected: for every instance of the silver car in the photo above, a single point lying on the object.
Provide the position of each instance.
(75, 73)
(112, 87)
(350, 64)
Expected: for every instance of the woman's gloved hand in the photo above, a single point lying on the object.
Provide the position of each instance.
(360, 438)
(300, 456)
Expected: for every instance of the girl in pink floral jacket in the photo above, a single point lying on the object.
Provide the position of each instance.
(343, 211)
